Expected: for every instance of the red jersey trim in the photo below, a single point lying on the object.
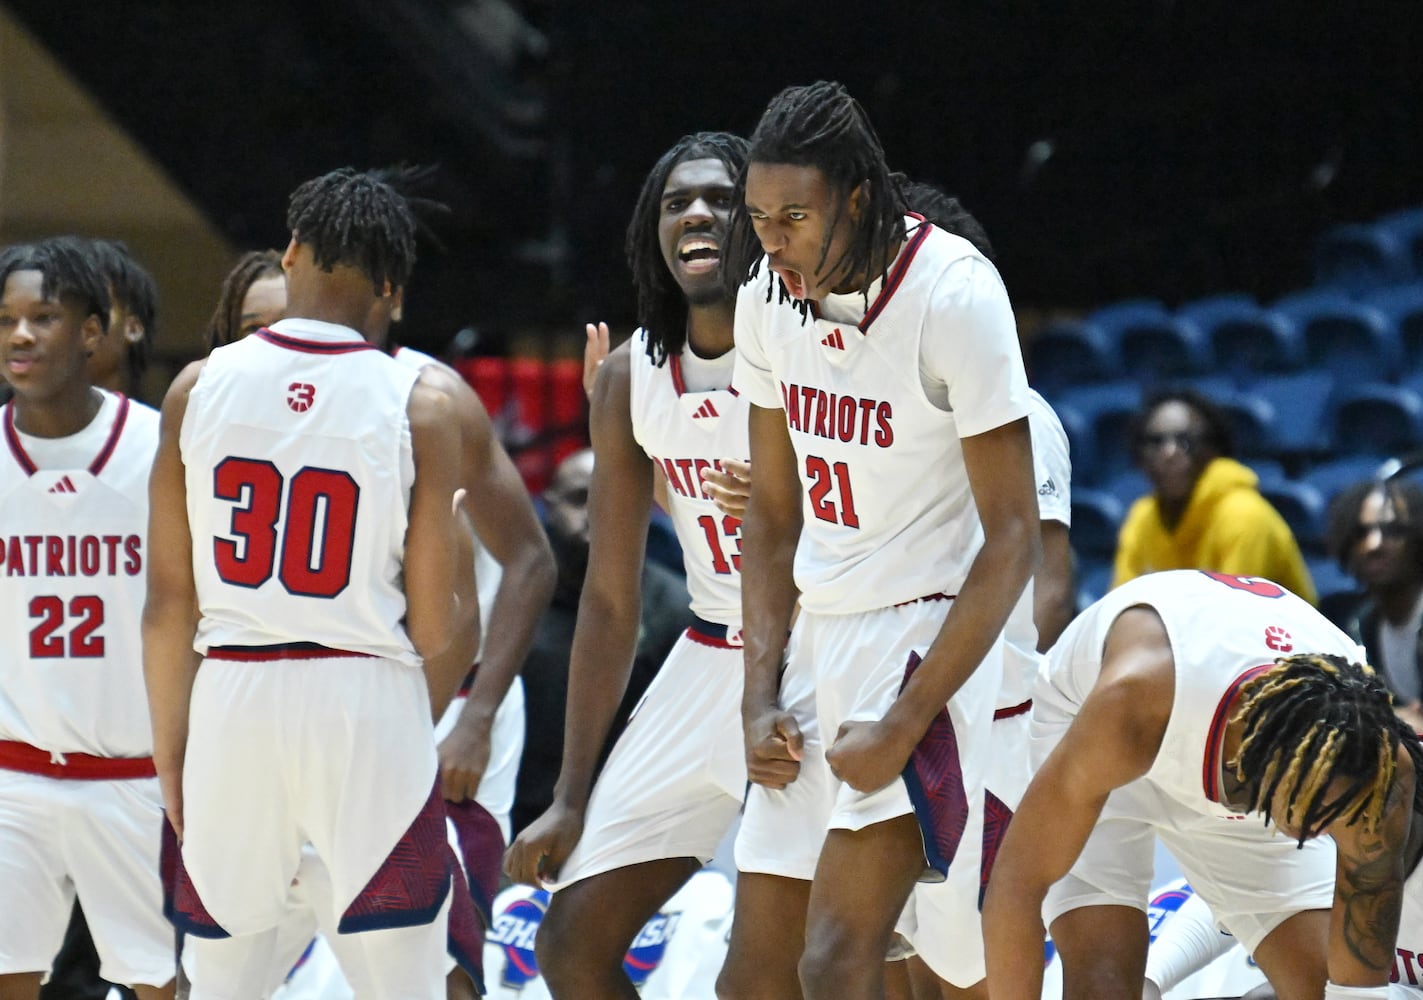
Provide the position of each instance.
(107, 452)
(313, 346)
(12, 438)
(897, 273)
(16, 756)
(1012, 710)
(674, 365)
(1210, 770)
(927, 597)
(283, 651)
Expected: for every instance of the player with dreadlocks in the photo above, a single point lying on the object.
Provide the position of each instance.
(308, 582)
(1189, 706)
(889, 402)
(617, 849)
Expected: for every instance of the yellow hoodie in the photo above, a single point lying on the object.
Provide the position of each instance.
(1228, 527)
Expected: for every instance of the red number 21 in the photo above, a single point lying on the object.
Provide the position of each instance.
(820, 473)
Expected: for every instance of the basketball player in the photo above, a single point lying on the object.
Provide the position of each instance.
(309, 556)
(889, 405)
(617, 850)
(120, 360)
(80, 808)
(1223, 715)
(253, 296)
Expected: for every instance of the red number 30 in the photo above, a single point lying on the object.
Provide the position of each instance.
(319, 534)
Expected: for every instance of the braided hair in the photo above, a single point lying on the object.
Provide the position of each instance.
(661, 305)
(67, 273)
(822, 126)
(359, 220)
(226, 323)
(133, 288)
(1312, 720)
(944, 211)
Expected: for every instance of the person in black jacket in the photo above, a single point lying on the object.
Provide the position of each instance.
(1375, 531)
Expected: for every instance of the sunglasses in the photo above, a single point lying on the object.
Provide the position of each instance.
(1184, 441)
(1386, 529)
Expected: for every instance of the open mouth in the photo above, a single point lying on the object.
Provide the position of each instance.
(792, 279)
(699, 255)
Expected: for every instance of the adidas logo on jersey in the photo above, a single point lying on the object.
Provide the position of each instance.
(1048, 488)
(834, 339)
(65, 485)
(705, 410)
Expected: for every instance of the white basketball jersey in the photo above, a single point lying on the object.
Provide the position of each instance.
(888, 514)
(1052, 472)
(685, 432)
(1223, 630)
(296, 443)
(73, 545)
(1407, 976)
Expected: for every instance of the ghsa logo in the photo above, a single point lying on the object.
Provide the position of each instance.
(300, 396)
(514, 930)
(1165, 903)
(649, 948)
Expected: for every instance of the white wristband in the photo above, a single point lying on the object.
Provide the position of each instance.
(1333, 991)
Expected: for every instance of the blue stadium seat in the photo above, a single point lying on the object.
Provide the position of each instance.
(1096, 519)
(1094, 579)
(1377, 419)
(1300, 401)
(1247, 341)
(1163, 348)
(1360, 256)
(1403, 305)
(1337, 589)
(1069, 353)
(1097, 450)
(1336, 475)
(1406, 226)
(1081, 448)
(1302, 507)
(1252, 423)
(1204, 312)
(1356, 342)
(1127, 486)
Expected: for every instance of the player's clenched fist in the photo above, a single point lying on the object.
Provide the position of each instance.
(773, 748)
(538, 853)
(866, 756)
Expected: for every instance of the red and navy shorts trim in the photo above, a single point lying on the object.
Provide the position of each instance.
(712, 634)
(934, 778)
(282, 651)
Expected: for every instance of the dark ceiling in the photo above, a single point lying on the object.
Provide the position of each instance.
(1112, 149)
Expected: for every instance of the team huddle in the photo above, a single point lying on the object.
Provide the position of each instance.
(827, 396)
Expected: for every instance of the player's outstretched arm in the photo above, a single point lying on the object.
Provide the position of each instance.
(1368, 889)
(506, 525)
(435, 617)
(170, 611)
(768, 595)
(609, 611)
(1113, 740)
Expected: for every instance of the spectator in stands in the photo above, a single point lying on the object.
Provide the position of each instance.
(1204, 510)
(665, 616)
(1376, 534)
